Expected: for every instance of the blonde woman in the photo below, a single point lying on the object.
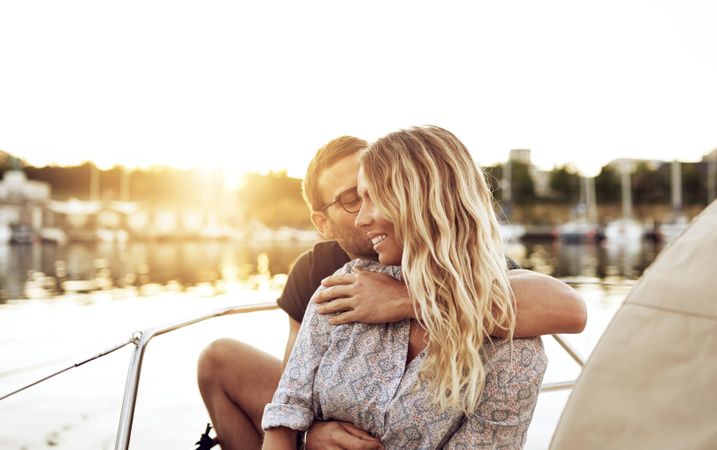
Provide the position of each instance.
(438, 381)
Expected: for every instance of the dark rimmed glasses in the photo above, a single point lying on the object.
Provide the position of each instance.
(349, 200)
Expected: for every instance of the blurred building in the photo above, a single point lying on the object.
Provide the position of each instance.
(520, 155)
(21, 206)
(15, 187)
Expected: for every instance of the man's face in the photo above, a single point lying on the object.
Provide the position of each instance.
(335, 222)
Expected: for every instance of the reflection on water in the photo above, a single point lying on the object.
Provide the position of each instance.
(604, 261)
(186, 263)
(190, 263)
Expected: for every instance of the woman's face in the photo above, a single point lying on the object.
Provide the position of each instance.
(378, 228)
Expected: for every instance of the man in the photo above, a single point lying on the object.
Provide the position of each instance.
(236, 380)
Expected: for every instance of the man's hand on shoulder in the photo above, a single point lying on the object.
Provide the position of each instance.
(340, 435)
(363, 296)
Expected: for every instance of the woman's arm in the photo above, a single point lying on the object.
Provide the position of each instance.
(509, 397)
(280, 438)
(292, 407)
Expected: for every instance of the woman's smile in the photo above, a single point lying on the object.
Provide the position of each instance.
(379, 228)
(383, 244)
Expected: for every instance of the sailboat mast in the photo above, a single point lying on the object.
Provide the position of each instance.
(626, 193)
(676, 186)
(507, 188)
(591, 204)
(94, 183)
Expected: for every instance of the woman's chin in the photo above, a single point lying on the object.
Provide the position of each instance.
(388, 260)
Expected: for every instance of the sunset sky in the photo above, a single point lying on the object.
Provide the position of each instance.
(261, 85)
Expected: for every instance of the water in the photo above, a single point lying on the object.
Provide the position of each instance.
(188, 263)
(80, 409)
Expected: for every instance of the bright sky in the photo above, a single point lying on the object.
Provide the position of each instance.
(261, 85)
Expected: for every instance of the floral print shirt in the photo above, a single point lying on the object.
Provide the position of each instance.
(358, 373)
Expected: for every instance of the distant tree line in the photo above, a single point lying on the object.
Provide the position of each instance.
(275, 198)
(649, 186)
(159, 184)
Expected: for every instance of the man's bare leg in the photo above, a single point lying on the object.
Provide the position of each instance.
(236, 381)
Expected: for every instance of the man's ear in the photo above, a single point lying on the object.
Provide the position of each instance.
(323, 224)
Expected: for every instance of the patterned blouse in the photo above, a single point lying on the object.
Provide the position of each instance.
(358, 373)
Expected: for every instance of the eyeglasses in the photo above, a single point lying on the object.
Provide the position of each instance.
(349, 200)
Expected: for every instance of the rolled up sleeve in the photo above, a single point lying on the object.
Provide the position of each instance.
(293, 405)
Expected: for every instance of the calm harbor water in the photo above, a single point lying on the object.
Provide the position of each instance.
(188, 263)
(80, 409)
(182, 263)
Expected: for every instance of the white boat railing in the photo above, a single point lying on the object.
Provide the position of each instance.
(142, 339)
(560, 385)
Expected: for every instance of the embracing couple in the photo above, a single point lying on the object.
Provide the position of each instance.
(425, 335)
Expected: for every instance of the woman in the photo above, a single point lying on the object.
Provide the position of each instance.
(435, 382)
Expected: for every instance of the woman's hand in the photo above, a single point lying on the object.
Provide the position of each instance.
(363, 296)
(336, 435)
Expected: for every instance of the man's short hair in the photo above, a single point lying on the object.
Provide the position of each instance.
(328, 155)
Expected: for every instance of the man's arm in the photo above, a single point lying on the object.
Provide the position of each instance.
(544, 305)
(364, 296)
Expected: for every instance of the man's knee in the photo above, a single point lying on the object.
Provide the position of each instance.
(216, 357)
(230, 369)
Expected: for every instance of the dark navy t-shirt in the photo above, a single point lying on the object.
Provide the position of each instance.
(305, 276)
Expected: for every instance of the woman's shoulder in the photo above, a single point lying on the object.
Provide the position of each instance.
(370, 266)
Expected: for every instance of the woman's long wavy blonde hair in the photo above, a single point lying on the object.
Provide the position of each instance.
(425, 181)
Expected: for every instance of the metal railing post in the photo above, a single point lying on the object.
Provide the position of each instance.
(561, 385)
(569, 350)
